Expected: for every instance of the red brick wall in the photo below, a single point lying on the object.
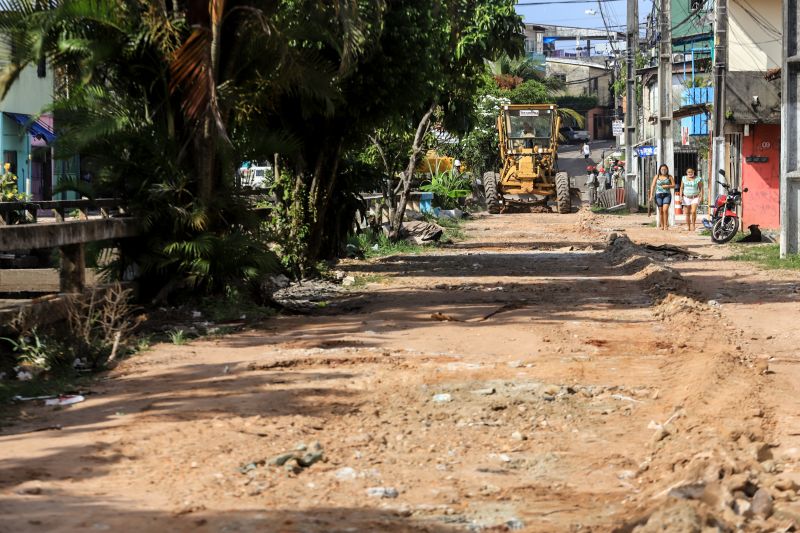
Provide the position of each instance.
(761, 203)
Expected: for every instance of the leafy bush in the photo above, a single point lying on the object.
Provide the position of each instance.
(448, 188)
(578, 103)
(530, 92)
(480, 145)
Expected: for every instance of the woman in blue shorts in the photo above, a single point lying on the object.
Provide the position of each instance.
(661, 190)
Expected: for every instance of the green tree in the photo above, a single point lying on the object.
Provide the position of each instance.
(463, 35)
(169, 97)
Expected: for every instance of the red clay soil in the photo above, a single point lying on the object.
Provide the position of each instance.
(574, 385)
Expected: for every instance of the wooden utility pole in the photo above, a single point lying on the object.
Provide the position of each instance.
(720, 66)
(631, 120)
(665, 143)
(790, 130)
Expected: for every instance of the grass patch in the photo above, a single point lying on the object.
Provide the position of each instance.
(178, 337)
(379, 245)
(766, 256)
(705, 232)
(452, 228)
(363, 281)
(375, 244)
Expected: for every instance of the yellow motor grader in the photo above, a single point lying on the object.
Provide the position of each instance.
(529, 155)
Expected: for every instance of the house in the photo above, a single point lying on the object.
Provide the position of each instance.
(25, 141)
(690, 111)
(692, 94)
(587, 78)
(752, 105)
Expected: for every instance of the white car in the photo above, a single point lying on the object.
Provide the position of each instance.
(256, 177)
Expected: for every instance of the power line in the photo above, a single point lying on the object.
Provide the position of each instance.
(550, 2)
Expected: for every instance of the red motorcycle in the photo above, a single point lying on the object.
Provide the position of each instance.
(724, 221)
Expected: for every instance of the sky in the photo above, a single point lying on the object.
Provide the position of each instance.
(573, 13)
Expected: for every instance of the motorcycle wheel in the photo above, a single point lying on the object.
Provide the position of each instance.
(724, 229)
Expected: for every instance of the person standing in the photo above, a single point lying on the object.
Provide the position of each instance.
(691, 193)
(586, 151)
(661, 190)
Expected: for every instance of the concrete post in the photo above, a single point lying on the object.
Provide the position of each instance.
(720, 62)
(73, 268)
(665, 142)
(790, 130)
(631, 183)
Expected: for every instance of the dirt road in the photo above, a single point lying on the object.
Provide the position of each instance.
(534, 377)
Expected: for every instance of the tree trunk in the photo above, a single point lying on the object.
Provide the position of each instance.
(387, 187)
(396, 222)
(320, 193)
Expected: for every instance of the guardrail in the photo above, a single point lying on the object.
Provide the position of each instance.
(74, 224)
(60, 209)
(69, 236)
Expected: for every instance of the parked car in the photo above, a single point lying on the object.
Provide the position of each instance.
(572, 135)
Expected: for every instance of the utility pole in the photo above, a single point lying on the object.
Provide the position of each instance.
(665, 144)
(631, 120)
(790, 130)
(720, 66)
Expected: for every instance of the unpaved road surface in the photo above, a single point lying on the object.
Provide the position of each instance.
(533, 377)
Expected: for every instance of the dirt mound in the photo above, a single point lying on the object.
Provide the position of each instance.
(660, 280)
(676, 305)
(588, 223)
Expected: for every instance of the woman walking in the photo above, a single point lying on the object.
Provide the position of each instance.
(661, 189)
(691, 192)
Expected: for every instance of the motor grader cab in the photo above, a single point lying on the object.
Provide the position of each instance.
(529, 158)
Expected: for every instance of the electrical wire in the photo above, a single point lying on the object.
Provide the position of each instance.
(608, 31)
(759, 19)
(550, 2)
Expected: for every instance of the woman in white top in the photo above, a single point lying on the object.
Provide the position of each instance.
(691, 193)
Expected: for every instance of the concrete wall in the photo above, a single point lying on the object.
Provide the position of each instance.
(30, 93)
(754, 35)
(760, 204)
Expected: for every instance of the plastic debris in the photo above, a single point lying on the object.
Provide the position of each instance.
(382, 492)
(65, 400)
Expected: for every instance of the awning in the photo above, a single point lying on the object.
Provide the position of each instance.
(34, 127)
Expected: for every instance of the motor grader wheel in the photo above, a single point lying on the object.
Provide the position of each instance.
(562, 193)
(490, 191)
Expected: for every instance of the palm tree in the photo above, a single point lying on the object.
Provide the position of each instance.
(166, 96)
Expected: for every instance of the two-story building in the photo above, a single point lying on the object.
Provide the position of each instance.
(582, 71)
(752, 105)
(25, 135)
